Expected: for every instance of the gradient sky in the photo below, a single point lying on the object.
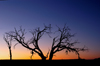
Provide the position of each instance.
(82, 17)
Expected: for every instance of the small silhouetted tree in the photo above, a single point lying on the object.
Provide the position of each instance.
(59, 43)
(8, 40)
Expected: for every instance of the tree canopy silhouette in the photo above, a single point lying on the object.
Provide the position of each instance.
(59, 43)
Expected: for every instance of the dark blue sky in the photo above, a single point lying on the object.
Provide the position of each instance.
(82, 17)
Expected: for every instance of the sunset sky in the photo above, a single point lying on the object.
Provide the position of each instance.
(82, 17)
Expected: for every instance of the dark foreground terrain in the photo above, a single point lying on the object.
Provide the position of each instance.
(75, 62)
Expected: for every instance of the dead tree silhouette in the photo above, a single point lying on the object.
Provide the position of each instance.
(59, 42)
(8, 40)
(63, 42)
(18, 35)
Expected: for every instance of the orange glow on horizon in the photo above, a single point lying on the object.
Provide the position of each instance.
(60, 55)
(22, 53)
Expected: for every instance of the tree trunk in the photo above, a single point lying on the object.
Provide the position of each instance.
(51, 55)
(42, 56)
(10, 53)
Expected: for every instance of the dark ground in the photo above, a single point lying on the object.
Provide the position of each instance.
(75, 62)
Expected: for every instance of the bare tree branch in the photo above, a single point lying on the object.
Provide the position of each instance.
(61, 42)
(15, 45)
(19, 36)
(32, 52)
(64, 42)
(47, 54)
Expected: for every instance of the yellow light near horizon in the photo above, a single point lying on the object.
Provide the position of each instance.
(59, 55)
(22, 53)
